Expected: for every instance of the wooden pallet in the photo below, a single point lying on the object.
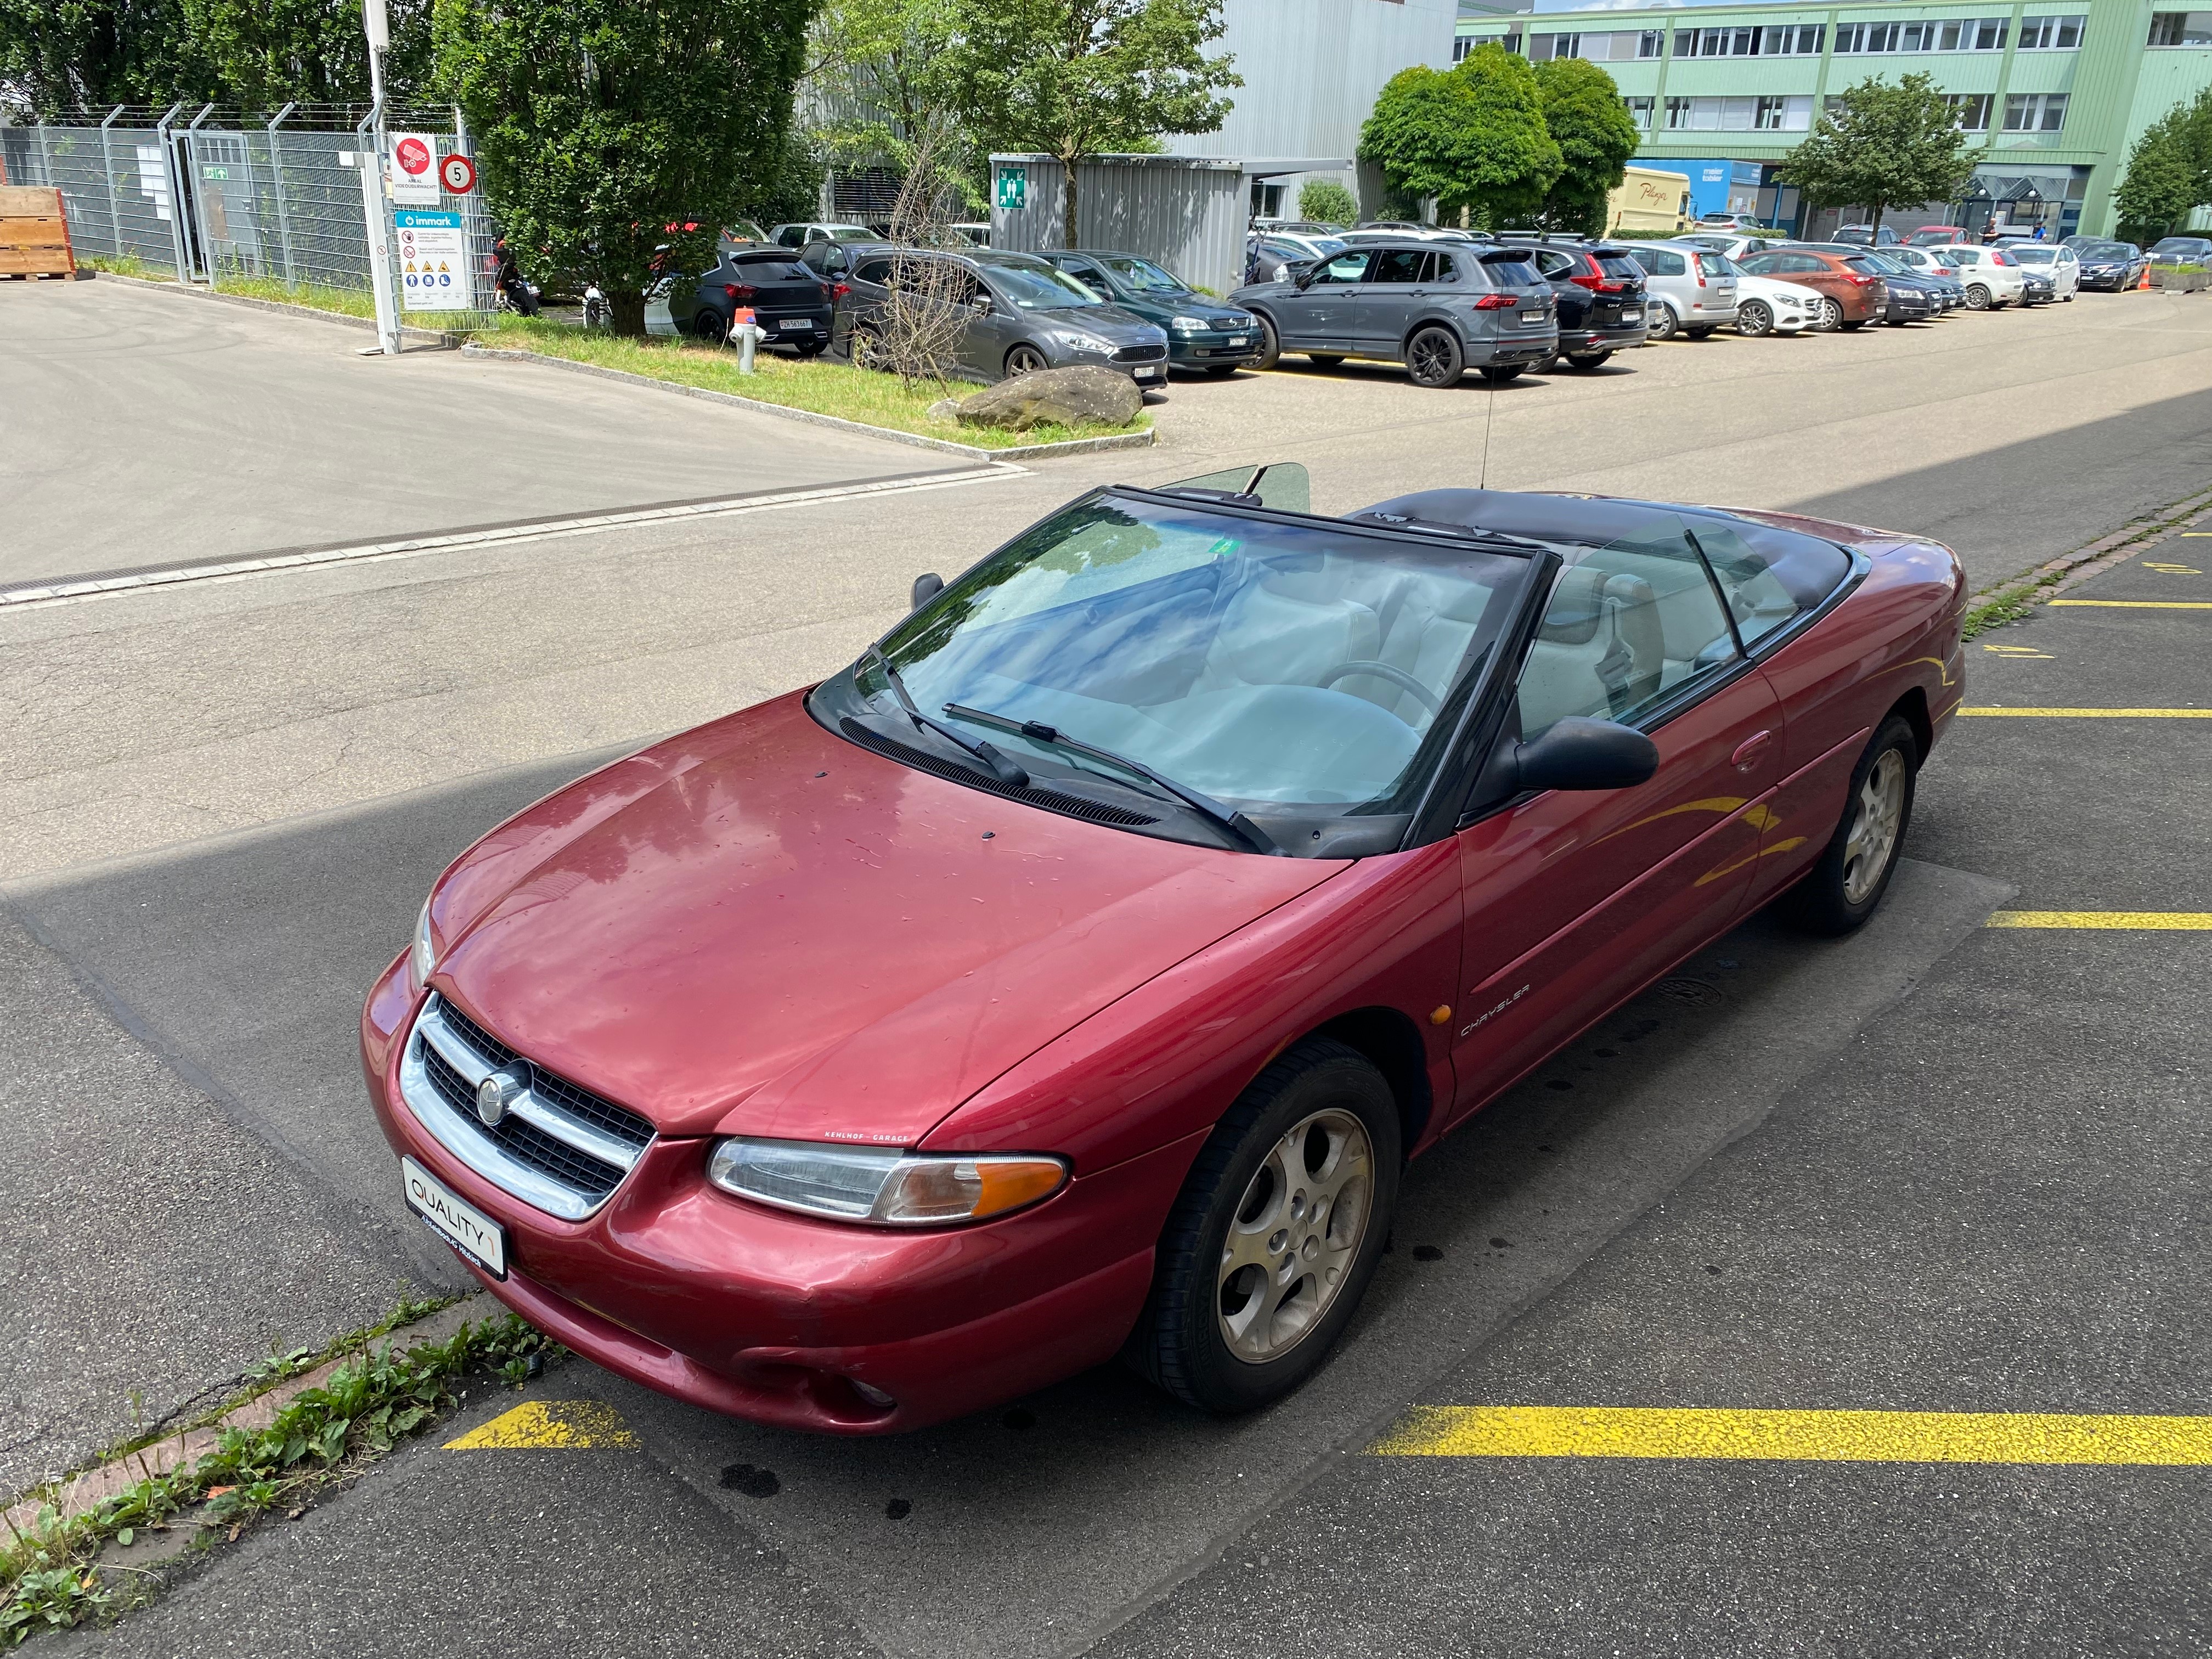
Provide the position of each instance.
(34, 239)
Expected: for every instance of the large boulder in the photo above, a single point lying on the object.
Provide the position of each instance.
(1058, 396)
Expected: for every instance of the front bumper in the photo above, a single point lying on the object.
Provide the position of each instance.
(1212, 350)
(770, 1316)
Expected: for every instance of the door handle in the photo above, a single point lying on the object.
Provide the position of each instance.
(1748, 751)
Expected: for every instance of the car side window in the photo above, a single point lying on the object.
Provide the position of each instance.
(876, 270)
(1770, 576)
(1439, 268)
(1344, 268)
(1627, 624)
(1555, 266)
(1397, 265)
(1660, 262)
(792, 235)
(1763, 264)
(1714, 265)
(1089, 275)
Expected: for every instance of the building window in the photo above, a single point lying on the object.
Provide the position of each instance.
(2181, 28)
(2034, 112)
(2049, 33)
(1783, 114)
(1776, 41)
(1462, 44)
(1612, 47)
(1970, 110)
(1956, 34)
(1639, 111)
(1719, 114)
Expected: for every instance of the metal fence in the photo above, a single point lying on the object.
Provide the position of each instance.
(184, 195)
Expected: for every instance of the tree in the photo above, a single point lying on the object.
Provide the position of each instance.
(2169, 173)
(1472, 137)
(264, 54)
(599, 123)
(1327, 202)
(1079, 78)
(877, 75)
(1583, 114)
(57, 55)
(1879, 146)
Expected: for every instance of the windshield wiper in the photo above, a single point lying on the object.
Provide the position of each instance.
(1037, 732)
(995, 760)
(1466, 532)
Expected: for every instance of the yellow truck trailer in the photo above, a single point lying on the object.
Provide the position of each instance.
(1648, 199)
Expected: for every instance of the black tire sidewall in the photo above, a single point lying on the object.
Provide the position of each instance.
(1456, 357)
(1188, 1356)
(1271, 346)
(1817, 903)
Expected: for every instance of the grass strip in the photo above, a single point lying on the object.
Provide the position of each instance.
(50, 1575)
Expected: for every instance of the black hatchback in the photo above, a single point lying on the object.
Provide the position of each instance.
(1598, 290)
(791, 304)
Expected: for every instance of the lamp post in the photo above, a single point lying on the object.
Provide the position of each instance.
(376, 214)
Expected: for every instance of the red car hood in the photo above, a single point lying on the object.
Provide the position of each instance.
(759, 928)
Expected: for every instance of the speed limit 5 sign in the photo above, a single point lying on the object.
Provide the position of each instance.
(457, 174)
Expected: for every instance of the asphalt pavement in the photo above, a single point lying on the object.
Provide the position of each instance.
(146, 429)
(1939, 1167)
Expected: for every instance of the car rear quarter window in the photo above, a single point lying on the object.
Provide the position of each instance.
(1620, 266)
(877, 271)
(1715, 265)
(1512, 268)
(1770, 576)
(1440, 268)
(1663, 262)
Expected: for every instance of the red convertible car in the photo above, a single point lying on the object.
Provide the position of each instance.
(1077, 973)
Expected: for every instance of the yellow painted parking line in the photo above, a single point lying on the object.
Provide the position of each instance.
(2140, 605)
(1822, 1436)
(2181, 921)
(2171, 569)
(2102, 714)
(548, 1424)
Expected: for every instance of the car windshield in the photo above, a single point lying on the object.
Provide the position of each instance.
(2107, 251)
(1276, 664)
(1145, 277)
(1881, 262)
(1039, 286)
(2034, 255)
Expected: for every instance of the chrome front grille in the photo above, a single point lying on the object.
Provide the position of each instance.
(557, 1147)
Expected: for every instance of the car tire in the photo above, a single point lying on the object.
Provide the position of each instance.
(1325, 359)
(1852, 328)
(710, 326)
(810, 348)
(2068, 299)
(1588, 361)
(865, 347)
(1228, 1336)
(1831, 314)
(1025, 359)
(1219, 371)
(1754, 320)
(1434, 358)
(1978, 297)
(1544, 365)
(1660, 324)
(1504, 373)
(1841, 891)
(1271, 346)
(1703, 333)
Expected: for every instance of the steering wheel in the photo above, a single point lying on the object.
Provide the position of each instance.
(1384, 670)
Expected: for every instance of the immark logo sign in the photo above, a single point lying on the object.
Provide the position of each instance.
(1013, 193)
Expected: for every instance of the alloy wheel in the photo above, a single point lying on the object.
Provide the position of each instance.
(1753, 319)
(1978, 298)
(1876, 815)
(1831, 314)
(1295, 1236)
(1024, 360)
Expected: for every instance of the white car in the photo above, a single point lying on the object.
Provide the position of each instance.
(1766, 304)
(798, 235)
(2060, 263)
(1992, 276)
(1734, 243)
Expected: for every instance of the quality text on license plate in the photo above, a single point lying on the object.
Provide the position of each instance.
(460, 1224)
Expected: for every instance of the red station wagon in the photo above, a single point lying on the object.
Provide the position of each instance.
(1078, 972)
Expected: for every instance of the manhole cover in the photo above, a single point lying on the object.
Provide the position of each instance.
(1690, 992)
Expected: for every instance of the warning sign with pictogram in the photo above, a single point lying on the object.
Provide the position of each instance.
(433, 248)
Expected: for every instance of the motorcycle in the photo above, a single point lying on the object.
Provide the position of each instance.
(597, 313)
(516, 292)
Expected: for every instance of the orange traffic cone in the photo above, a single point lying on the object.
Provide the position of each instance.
(2144, 285)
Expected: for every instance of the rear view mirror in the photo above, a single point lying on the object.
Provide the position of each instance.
(926, 588)
(1576, 753)
(981, 304)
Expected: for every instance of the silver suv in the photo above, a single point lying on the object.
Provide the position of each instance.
(1440, 308)
(1687, 289)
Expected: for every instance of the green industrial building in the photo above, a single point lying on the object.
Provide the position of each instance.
(2051, 93)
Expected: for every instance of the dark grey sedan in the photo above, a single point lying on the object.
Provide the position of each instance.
(1017, 313)
(1439, 308)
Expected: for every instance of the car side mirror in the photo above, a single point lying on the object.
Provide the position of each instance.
(926, 588)
(981, 304)
(1577, 753)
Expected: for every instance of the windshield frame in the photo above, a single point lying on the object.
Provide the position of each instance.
(1427, 794)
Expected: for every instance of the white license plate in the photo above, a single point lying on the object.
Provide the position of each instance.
(1632, 316)
(1148, 373)
(1533, 319)
(1239, 339)
(461, 1224)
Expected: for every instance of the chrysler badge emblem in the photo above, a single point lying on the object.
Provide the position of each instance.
(495, 1094)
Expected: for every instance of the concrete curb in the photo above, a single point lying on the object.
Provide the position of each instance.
(2100, 555)
(96, 1486)
(420, 335)
(1143, 440)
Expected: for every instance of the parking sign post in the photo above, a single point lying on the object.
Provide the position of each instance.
(376, 214)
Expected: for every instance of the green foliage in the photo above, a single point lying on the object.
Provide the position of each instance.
(1879, 145)
(1472, 137)
(1326, 201)
(57, 55)
(599, 123)
(1583, 114)
(2169, 173)
(1077, 78)
(362, 1409)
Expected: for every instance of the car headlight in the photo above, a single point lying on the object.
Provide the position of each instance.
(1189, 324)
(885, 1186)
(422, 954)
